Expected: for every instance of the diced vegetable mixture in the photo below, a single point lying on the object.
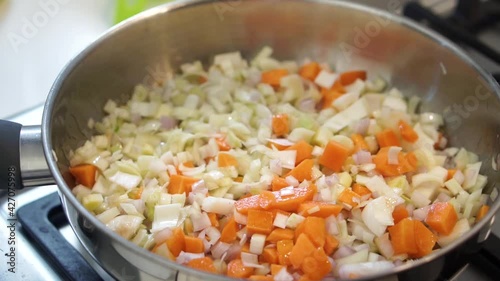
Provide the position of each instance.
(278, 170)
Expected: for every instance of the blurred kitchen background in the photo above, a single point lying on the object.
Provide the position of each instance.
(38, 37)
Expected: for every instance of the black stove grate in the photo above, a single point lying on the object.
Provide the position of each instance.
(469, 17)
(40, 220)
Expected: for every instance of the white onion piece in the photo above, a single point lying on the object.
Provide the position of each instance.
(392, 155)
(250, 260)
(240, 218)
(384, 245)
(220, 249)
(292, 181)
(213, 234)
(280, 220)
(275, 166)
(162, 235)
(362, 126)
(233, 252)
(421, 213)
(332, 180)
(184, 257)
(281, 142)
(199, 187)
(167, 122)
(287, 191)
(459, 177)
(443, 197)
(362, 157)
(200, 221)
(343, 251)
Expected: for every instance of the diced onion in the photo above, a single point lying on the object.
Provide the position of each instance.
(392, 156)
(185, 257)
(250, 260)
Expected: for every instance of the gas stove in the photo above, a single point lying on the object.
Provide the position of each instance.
(47, 249)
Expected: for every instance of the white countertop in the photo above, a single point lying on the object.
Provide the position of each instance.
(37, 38)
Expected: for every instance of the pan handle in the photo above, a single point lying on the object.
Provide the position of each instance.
(23, 163)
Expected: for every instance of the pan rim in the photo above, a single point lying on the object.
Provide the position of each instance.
(177, 5)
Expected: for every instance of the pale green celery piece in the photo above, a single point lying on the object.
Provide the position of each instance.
(151, 203)
(92, 201)
(219, 192)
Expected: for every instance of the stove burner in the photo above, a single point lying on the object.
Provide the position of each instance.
(469, 18)
(40, 220)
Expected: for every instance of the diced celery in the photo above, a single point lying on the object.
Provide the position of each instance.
(92, 201)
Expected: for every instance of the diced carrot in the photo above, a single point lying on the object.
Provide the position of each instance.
(280, 234)
(176, 242)
(400, 212)
(334, 156)
(442, 217)
(84, 174)
(213, 219)
(317, 266)
(303, 248)
(299, 230)
(226, 159)
(482, 212)
(407, 132)
(303, 171)
(361, 190)
(349, 197)
(424, 239)
(261, 278)
(276, 268)
(289, 203)
(315, 229)
(304, 151)
(260, 221)
(278, 183)
(359, 142)
(280, 124)
(235, 268)
(193, 245)
(406, 163)
(266, 200)
(349, 77)
(270, 255)
(180, 184)
(331, 244)
(238, 179)
(205, 264)
(310, 70)
(329, 96)
(403, 237)
(244, 204)
(387, 138)
(451, 174)
(222, 144)
(325, 209)
(284, 248)
(228, 233)
(273, 77)
(337, 86)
